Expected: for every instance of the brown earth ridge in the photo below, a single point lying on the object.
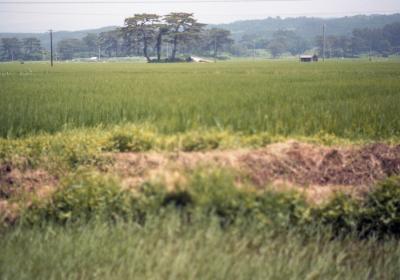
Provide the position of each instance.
(317, 169)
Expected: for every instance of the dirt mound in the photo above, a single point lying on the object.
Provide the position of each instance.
(14, 181)
(312, 167)
(306, 164)
(297, 163)
(135, 168)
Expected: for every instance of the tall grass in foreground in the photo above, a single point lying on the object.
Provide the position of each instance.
(355, 100)
(167, 249)
(90, 228)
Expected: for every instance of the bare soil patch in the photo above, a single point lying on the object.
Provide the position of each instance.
(14, 181)
(306, 164)
(318, 170)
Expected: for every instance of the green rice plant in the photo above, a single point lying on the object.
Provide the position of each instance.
(346, 99)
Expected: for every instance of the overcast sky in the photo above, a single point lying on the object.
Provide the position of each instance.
(41, 17)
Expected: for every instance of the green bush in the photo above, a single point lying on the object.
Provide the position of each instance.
(257, 140)
(341, 213)
(377, 214)
(200, 142)
(215, 193)
(81, 198)
(88, 195)
(149, 201)
(380, 213)
(282, 208)
(130, 142)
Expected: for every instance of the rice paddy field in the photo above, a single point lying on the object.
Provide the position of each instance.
(355, 100)
(230, 170)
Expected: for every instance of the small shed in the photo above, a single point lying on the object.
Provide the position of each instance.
(309, 58)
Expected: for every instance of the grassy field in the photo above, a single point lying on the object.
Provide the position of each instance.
(166, 249)
(348, 99)
(140, 171)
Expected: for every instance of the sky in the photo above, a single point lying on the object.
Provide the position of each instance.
(62, 15)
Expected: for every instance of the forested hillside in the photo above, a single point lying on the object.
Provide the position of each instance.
(308, 27)
(58, 35)
(375, 35)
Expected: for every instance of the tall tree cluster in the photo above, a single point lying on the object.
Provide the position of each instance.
(177, 35)
(156, 38)
(379, 41)
(287, 41)
(150, 32)
(25, 49)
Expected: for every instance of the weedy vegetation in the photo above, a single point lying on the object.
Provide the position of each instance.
(207, 229)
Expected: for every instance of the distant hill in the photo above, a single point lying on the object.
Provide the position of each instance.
(57, 36)
(308, 27)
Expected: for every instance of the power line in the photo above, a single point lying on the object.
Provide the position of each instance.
(138, 2)
(324, 42)
(60, 13)
(208, 14)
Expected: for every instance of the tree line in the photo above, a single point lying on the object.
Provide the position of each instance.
(176, 35)
(379, 41)
(25, 49)
(375, 41)
(157, 38)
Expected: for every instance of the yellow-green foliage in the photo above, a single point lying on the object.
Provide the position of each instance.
(83, 196)
(89, 146)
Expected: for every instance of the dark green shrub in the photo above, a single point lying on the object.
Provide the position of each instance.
(88, 195)
(215, 193)
(81, 198)
(341, 214)
(197, 142)
(380, 213)
(148, 201)
(282, 208)
(258, 140)
(122, 142)
(130, 142)
(179, 199)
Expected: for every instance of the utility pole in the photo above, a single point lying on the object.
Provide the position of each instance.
(369, 53)
(323, 43)
(99, 54)
(51, 47)
(215, 49)
(254, 50)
